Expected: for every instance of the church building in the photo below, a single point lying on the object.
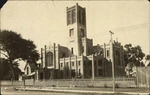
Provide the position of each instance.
(80, 59)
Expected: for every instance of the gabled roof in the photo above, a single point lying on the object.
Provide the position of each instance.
(32, 65)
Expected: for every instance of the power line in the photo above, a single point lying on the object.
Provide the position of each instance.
(131, 27)
(123, 29)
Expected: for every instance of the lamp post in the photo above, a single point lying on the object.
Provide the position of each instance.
(149, 54)
(0, 66)
(112, 60)
(148, 77)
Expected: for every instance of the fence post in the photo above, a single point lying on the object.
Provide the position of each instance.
(57, 83)
(23, 82)
(147, 77)
(137, 75)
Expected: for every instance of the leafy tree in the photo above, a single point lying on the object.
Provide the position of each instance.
(5, 73)
(132, 57)
(15, 49)
(148, 59)
(3, 68)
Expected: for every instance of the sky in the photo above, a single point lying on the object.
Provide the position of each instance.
(44, 22)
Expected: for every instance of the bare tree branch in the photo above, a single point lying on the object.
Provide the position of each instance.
(5, 55)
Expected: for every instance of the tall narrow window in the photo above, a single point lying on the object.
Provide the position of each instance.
(82, 49)
(27, 70)
(71, 32)
(49, 59)
(72, 63)
(69, 17)
(73, 16)
(67, 64)
(82, 33)
(73, 73)
(79, 71)
(79, 16)
(79, 63)
(108, 53)
(83, 18)
(61, 64)
(72, 50)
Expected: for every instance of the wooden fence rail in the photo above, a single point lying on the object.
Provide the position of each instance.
(101, 82)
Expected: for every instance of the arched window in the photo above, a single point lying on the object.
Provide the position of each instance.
(49, 59)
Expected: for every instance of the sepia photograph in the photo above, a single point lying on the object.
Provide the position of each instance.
(75, 47)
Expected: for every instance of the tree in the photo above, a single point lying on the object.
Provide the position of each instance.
(15, 49)
(132, 57)
(3, 68)
(147, 60)
(5, 73)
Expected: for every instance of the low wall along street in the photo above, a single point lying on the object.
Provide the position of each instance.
(120, 82)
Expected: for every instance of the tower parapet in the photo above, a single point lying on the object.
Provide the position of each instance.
(76, 28)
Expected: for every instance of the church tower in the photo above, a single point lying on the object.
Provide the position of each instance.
(76, 29)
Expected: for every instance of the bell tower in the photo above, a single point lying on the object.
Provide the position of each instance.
(76, 28)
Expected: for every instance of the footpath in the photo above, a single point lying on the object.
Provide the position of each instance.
(89, 91)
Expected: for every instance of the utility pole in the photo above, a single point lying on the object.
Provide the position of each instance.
(0, 67)
(42, 64)
(45, 59)
(111, 33)
(149, 54)
(112, 60)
